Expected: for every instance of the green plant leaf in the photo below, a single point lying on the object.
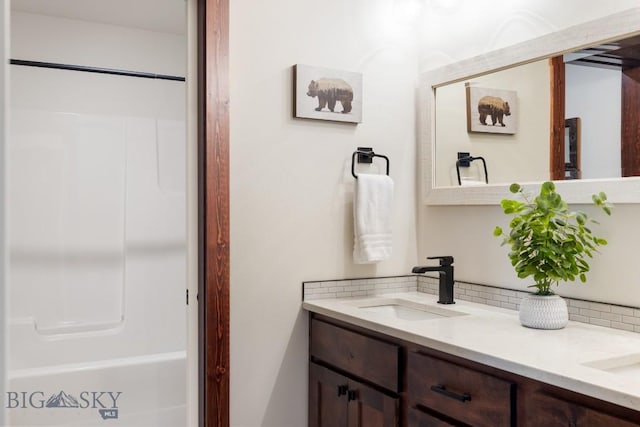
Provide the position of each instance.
(548, 241)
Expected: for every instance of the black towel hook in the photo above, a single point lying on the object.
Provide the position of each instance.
(365, 155)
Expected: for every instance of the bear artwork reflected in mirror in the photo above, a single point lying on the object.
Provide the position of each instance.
(498, 105)
(494, 107)
(330, 91)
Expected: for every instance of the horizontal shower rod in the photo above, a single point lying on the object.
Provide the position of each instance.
(95, 70)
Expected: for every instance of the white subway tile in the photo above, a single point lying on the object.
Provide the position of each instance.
(590, 313)
(508, 305)
(611, 316)
(600, 322)
(627, 311)
(600, 307)
(630, 319)
(578, 303)
(623, 326)
(578, 318)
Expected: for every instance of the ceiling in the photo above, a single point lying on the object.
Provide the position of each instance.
(614, 55)
(155, 15)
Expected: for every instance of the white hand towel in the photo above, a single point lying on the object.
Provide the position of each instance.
(372, 203)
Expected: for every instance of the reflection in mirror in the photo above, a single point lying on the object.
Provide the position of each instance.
(523, 155)
(547, 85)
(592, 90)
(572, 148)
(593, 93)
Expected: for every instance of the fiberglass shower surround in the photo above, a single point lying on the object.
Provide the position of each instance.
(97, 245)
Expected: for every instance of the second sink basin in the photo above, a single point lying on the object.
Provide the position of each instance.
(628, 366)
(399, 308)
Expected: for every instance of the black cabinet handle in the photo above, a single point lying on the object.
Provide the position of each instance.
(342, 390)
(352, 395)
(438, 388)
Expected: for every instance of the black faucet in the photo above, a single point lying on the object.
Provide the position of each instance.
(445, 269)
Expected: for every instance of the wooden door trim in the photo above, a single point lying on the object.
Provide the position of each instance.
(213, 211)
(630, 130)
(557, 107)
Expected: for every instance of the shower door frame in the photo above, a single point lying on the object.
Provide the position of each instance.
(4, 87)
(213, 211)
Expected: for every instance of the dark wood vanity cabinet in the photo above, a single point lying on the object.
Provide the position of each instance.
(353, 379)
(358, 377)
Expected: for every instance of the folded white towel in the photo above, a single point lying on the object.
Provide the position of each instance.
(372, 202)
(469, 182)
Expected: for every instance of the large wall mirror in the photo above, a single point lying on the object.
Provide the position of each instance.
(565, 106)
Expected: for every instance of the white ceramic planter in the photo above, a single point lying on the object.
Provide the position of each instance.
(543, 312)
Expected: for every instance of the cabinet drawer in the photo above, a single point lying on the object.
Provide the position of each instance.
(368, 358)
(542, 410)
(460, 393)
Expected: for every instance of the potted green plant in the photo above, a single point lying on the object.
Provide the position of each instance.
(549, 243)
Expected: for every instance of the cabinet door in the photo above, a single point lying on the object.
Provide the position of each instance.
(371, 408)
(327, 397)
(547, 411)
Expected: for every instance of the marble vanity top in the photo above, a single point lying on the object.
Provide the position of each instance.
(600, 362)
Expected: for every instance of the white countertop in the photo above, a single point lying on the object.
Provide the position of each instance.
(493, 336)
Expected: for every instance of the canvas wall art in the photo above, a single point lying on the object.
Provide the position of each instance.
(491, 110)
(326, 94)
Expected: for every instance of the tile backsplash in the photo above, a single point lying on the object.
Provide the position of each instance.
(596, 313)
(358, 287)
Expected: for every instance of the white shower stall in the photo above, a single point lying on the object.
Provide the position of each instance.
(96, 280)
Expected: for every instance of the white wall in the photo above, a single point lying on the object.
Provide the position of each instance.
(291, 187)
(595, 96)
(465, 232)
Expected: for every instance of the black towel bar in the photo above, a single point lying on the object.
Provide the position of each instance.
(365, 156)
(470, 159)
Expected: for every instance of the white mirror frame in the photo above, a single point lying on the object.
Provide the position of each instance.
(619, 190)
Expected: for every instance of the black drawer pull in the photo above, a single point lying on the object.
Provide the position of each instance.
(443, 391)
(342, 390)
(352, 395)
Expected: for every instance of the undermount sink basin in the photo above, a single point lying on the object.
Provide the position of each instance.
(628, 366)
(406, 310)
